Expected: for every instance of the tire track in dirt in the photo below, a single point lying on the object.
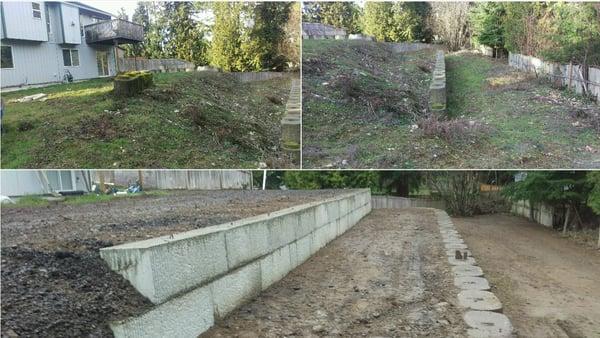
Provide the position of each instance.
(386, 276)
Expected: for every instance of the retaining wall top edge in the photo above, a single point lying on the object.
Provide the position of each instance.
(214, 229)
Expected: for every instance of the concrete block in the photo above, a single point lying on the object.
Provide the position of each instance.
(186, 316)
(282, 230)
(307, 222)
(275, 266)
(479, 300)
(162, 268)
(467, 271)
(247, 243)
(304, 249)
(468, 261)
(471, 283)
(321, 216)
(452, 252)
(456, 246)
(488, 324)
(333, 210)
(235, 289)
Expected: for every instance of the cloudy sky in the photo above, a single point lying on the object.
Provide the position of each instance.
(112, 6)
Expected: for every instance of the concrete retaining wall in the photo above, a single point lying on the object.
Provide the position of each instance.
(291, 122)
(165, 65)
(256, 76)
(542, 214)
(565, 75)
(384, 202)
(404, 47)
(198, 276)
(437, 89)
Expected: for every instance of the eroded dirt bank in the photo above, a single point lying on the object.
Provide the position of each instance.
(387, 276)
(54, 283)
(547, 284)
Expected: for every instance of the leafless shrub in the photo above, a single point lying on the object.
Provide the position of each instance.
(452, 130)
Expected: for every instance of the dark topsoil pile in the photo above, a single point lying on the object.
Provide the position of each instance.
(54, 283)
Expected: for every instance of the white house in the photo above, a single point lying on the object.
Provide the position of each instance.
(43, 42)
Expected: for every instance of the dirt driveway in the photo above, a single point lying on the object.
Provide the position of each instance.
(387, 276)
(549, 286)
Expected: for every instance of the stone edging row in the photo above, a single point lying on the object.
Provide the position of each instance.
(291, 122)
(483, 310)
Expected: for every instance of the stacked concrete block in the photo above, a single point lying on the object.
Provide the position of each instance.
(437, 89)
(482, 308)
(199, 276)
(292, 121)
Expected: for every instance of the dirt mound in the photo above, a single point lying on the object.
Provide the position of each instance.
(63, 293)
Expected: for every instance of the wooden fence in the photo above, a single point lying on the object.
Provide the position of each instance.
(180, 179)
(570, 76)
(542, 214)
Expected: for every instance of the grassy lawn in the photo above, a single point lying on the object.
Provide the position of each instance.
(188, 120)
(39, 201)
(366, 107)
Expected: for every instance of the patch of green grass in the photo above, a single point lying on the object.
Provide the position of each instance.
(27, 201)
(83, 125)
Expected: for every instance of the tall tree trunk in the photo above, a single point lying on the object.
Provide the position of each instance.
(402, 188)
(566, 220)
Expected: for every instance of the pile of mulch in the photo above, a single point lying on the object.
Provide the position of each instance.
(63, 293)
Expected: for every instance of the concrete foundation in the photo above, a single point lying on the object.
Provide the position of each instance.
(202, 275)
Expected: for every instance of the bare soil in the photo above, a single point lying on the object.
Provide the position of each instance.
(548, 284)
(54, 283)
(386, 276)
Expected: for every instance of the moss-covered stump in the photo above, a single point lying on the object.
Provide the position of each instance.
(132, 83)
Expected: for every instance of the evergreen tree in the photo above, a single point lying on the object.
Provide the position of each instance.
(185, 38)
(397, 21)
(225, 50)
(260, 44)
(486, 24)
(342, 15)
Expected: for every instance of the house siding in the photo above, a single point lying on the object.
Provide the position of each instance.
(42, 62)
(18, 21)
(28, 182)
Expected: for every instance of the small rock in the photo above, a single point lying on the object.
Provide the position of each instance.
(262, 165)
(318, 329)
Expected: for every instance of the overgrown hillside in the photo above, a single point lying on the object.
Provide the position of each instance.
(188, 120)
(358, 95)
(366, 107)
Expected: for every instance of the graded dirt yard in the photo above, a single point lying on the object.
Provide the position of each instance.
(187, 120)
(548, 284)
(386, 276)
(365, 105)
(54, 283)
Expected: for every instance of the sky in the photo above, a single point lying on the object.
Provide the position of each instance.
(112, 6)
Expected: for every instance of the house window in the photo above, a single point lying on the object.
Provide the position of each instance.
(71, 57)
(48, 25)
(7, 57)
(37, 11)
